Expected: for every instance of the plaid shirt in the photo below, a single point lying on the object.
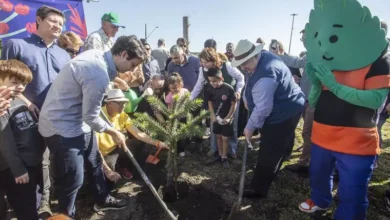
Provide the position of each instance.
(98, 40)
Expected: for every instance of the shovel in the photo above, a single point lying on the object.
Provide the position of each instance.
(143, 175)
(153, 159)
(234, 214)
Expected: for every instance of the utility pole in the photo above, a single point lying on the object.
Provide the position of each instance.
(146, 32)
(292, 28)
(186, 25)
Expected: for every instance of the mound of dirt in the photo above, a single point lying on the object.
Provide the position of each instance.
(200, 203)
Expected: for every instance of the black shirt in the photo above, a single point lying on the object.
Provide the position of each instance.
(20, 142)
(167, 63)
(222, 99)
(144, 105)
(295, 72)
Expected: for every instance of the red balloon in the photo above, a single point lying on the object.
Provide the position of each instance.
(31, 27)
(22, 9)
(6, 6)
(4, 28)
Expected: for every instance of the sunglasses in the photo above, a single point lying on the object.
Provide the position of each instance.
(72, 52)
(114, 27)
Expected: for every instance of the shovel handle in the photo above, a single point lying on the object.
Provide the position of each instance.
(158, 151)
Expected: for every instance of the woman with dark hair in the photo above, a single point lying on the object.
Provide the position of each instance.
(231, 75)
(212, 43)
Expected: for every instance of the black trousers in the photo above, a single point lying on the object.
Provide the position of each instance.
(22, 197)
(118, 156)
(182, 144)
(275, 141)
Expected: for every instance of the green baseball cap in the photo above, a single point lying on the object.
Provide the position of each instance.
(113, 18)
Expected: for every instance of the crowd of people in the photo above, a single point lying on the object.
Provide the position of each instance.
(65, 103)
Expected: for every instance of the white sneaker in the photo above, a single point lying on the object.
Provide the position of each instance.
(182, 154)
(207, 133)
(309, 207)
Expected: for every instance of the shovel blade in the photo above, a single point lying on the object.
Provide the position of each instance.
(152, 159)
(156, 160)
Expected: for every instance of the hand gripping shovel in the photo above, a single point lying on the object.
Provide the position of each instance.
(143, 175)
(234, 214)
(153, 159)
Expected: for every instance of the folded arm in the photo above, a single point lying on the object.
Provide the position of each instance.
(372, 99)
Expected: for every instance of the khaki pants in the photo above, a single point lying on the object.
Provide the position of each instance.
(306, 135)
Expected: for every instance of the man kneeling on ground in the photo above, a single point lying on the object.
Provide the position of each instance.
(113, 110)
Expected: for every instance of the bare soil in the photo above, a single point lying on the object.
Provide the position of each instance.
(211, 191)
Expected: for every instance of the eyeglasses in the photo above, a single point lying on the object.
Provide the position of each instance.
(120, 103)
(72, 52)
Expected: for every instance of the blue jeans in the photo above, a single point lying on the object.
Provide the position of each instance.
(233, 142)
(355, 173)
(67, 157)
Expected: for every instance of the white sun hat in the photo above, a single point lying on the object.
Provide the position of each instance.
(244, 51)
(116, 95)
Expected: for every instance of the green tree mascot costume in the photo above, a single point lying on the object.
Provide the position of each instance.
(349, 69)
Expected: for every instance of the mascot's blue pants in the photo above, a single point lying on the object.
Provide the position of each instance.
(355, 173)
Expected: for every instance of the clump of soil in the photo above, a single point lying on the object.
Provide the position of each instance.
(183, 188)
(171, 195)
(200, 203)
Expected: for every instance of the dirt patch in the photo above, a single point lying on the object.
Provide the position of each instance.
(195, 201)
(200, 203)
(211, 191)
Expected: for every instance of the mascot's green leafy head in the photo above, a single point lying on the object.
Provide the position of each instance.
(343, 35)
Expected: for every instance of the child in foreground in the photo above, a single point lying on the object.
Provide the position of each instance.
(20, 157)
(222, 105)
(5, 99)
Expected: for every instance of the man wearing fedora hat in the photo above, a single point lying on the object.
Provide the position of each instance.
(102, 39)
(275, 103)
